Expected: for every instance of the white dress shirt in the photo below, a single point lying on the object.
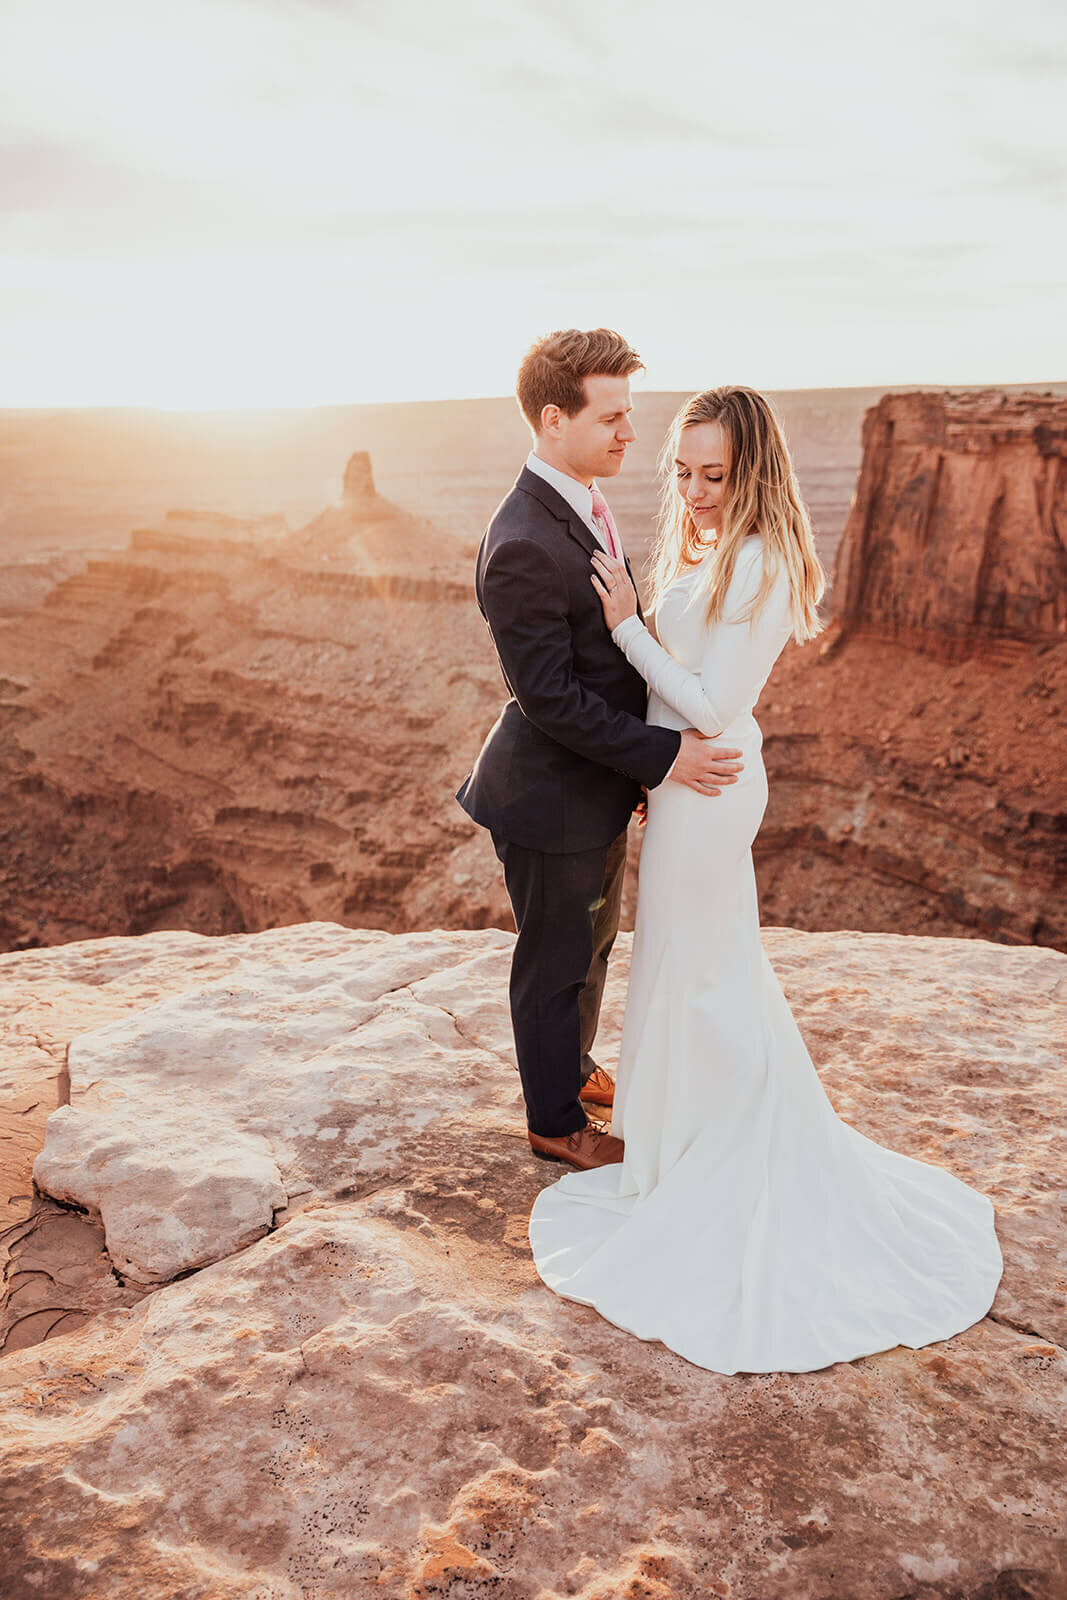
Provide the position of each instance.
(580, 499)
(577, 496)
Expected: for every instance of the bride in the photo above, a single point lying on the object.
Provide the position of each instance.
(747, 1227)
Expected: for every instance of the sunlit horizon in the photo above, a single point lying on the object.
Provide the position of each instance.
(247, 406)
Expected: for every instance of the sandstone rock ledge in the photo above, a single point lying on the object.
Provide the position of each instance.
(359, 1386)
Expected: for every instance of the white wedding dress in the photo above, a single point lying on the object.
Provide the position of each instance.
(748, 1228)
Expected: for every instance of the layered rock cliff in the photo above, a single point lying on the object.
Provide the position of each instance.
(912, 793)
(916, 754)
(958, 530)
(233, 726)
(314, 1357)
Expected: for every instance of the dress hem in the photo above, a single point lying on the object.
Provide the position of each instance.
(732, 1372)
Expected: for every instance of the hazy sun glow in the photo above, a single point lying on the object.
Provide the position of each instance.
(294, 202)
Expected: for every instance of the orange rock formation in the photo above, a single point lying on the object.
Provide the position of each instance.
(918, 779)
(233, 726)
(958, 530)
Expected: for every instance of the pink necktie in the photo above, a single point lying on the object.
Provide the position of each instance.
(603, 515)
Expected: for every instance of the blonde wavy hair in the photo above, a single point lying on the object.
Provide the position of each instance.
(759, 495)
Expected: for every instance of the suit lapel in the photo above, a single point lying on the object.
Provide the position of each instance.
(553, 501)
(578, 530)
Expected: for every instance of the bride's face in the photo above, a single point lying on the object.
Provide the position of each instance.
(698, 472)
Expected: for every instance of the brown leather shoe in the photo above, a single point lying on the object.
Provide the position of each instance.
(587, 1148)
(598, 1088)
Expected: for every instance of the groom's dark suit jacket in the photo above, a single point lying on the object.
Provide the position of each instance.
(562, 767)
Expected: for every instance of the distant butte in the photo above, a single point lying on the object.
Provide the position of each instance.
(359, 480)
(370, 537)
(231, 726)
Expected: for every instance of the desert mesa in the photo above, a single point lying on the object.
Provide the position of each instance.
(228, 724)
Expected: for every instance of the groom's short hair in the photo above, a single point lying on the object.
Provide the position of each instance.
(553, 369)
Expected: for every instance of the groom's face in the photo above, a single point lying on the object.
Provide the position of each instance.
(595, 441)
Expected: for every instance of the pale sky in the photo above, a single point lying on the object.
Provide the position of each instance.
(299, 202)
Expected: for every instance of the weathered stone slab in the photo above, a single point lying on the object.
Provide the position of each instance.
(380, 1396)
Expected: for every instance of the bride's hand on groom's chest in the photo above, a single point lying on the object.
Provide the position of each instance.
(612, 582)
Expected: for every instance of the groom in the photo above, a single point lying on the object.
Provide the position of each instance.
(563, 766)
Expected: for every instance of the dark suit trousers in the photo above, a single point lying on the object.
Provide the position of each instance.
(566, 911)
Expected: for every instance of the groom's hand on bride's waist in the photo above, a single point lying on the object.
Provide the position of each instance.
(704, 766)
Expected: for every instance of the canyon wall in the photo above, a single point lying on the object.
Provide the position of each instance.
(231, 726)
(958, 529)
(916, 753)
(914, 794)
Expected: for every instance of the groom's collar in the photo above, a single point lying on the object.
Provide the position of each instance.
(577, 495)
(553, 500)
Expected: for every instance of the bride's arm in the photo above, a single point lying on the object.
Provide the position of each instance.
(736, 660)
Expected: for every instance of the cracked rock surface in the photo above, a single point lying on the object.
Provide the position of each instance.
(192, 1123)
(359, 1384)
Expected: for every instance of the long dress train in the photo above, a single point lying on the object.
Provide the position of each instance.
(748, 1228)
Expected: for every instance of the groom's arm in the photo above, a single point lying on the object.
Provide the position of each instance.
(524, 597)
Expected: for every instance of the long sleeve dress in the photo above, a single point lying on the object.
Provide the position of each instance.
(748, 1227)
